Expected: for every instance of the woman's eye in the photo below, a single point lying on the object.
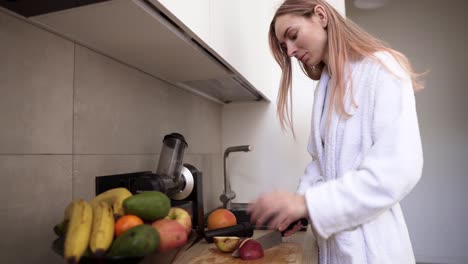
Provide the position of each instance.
(293, 36)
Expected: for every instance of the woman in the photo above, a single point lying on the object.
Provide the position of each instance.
(365, 142)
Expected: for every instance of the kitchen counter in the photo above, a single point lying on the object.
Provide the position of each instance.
(298, 248)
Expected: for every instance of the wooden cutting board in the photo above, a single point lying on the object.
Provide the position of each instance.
(283, 253)
(290, 251)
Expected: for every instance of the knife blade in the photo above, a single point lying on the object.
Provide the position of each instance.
(270, 240)
(274, 238)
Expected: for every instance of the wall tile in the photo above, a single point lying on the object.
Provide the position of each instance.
(197, 118)
(120, 110)
(117, 109)
(213, 180)
(58, 97)
(34, 192)
(36, 87)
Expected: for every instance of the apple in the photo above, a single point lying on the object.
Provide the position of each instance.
(250, 249)
(244, 240)
(171, 234)
(226, 243)
(181, 216)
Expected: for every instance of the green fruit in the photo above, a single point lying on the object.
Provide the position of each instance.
(61, 228)
(137, 241)
(149, 206)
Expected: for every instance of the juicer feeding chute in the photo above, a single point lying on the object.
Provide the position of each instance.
(181, 182)
(172, 155)
(171, 177)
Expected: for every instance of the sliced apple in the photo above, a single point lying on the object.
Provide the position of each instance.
(251, 249)
(226, 243)
(243, 241)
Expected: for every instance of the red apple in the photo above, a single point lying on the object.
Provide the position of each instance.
(250, 249)
(181, 216)
(171, 234)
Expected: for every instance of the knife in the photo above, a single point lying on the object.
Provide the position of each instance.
(275, 237)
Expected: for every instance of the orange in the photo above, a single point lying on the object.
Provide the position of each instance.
(220, 218)
(126, 222)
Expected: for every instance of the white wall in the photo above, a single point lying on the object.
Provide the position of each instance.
(277, 160)
(434, 36)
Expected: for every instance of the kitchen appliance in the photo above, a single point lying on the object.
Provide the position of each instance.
(182, 183)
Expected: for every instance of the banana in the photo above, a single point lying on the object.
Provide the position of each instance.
(114, 197)
(68, 210)
(79, 230)
(102, 232)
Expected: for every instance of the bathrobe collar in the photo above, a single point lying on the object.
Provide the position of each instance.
(319, 100)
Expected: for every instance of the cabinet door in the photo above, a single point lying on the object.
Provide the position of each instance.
(195, 14)
(240, 35)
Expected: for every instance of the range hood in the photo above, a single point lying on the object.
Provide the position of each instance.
(145, 35)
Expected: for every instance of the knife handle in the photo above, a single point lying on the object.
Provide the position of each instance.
(244, 229)
(303, 222)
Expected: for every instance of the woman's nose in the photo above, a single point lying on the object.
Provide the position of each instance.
(291, 50)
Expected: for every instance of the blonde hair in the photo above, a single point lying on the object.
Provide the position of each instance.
(346, 42)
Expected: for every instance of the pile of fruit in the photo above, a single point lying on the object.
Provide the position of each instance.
(117, 223)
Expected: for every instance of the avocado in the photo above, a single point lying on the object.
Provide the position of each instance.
(149, 206)
(61, 228)
(137, 241)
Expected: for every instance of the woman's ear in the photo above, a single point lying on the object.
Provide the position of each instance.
(319, 11)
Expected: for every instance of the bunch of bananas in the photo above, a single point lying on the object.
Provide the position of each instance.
(91, 224)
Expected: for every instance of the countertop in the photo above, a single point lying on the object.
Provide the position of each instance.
(299, 248)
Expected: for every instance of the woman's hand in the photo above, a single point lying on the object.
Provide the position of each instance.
(279, 208)
(294, 229)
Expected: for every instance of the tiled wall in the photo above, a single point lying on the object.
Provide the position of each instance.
(68, 114)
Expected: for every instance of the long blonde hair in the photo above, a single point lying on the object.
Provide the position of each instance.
(346, 41)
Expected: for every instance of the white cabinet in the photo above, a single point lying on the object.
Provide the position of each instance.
(240, 35)
(237, 31)
(195, 14)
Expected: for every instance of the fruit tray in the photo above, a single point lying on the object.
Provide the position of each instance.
(160, 258)
(57, 247)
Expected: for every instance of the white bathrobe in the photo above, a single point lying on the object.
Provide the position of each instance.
(368, 163)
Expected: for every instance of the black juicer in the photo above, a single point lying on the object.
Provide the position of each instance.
(182, 183)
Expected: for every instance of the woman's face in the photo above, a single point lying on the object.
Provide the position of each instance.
(304, 38)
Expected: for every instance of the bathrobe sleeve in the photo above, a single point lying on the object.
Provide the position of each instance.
(312, 175)
(389, 169)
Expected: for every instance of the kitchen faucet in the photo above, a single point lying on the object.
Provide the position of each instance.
(228, 194)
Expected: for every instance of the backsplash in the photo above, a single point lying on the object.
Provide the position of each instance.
(69, 114)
